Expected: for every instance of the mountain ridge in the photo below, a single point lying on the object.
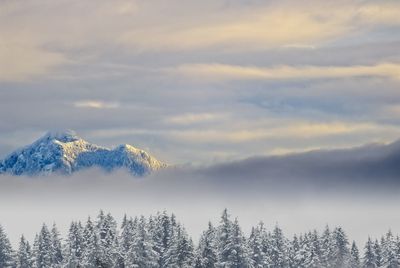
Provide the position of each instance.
(65, 152)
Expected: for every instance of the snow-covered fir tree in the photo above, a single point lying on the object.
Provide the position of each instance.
(91, 255)
(24, 254)
(207, 252)
(293, 253)
(354, 256)
(341, 254)
(160, 241)
(6, 252)
(108, 240)
(390, 251)
(224, 230)
(75, 245)
(327, 248)
(378, 254)
(57, 254)
(163, 234)
(128, 232)
(181, 252)
(140, 249)
(278, 249)
(313, 250)
(43, 249)
(369, 260)
(257, 255)
(238, 253)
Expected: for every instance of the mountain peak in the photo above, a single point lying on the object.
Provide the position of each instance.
(65, 152)
(61, 135)
(128, 148)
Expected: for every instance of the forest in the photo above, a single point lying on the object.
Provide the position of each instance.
(162, 241)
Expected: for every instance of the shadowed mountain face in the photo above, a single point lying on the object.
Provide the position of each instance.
(66, 153)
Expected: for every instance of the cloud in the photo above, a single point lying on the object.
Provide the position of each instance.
(32, 47)
(390, 110)
(140, 26)
(24, 62)
(250, 132)
(237, 72)
(299, 46)
(384, 13)
(191, 118)
(293, 130)
(261, 27)
(37, 37)
(373, 165)
(81, 67)
(252, 29)
(95, 104)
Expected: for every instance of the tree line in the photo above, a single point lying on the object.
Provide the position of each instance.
(161, 241)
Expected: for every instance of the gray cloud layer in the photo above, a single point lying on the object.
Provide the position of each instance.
(201, 82)
(373, 165)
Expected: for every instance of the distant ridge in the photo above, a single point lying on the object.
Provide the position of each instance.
(65, 152)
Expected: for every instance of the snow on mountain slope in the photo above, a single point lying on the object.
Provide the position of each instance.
(65, 152)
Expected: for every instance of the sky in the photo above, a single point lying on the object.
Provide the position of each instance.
(204, 85)
(201, 81)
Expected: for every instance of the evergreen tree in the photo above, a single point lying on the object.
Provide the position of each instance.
(267, 246)
(389, 251)
(207, 252)
(141, 252)
(327, 248)
(293, 253)
(397, 247)
(141, 241)
(184, 255)
(369, 260)
(128, 232)
(313, 255)
(108, 240)
(90, 246)
(278, 249)
(341, 251)
(35, 250)
(75, 245)
(378, 254)
(44, 249)
(197, 261)
(6, 252)
(162, 233)
(224, 231)
(24, 254)
(300, 257)
(57, 256)
(238, 254)
(255, 242)
(354, 256)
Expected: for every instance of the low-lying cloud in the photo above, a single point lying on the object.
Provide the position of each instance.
(374, 165)
(301, 192)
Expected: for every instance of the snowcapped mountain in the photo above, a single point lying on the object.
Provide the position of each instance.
(65, 153)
